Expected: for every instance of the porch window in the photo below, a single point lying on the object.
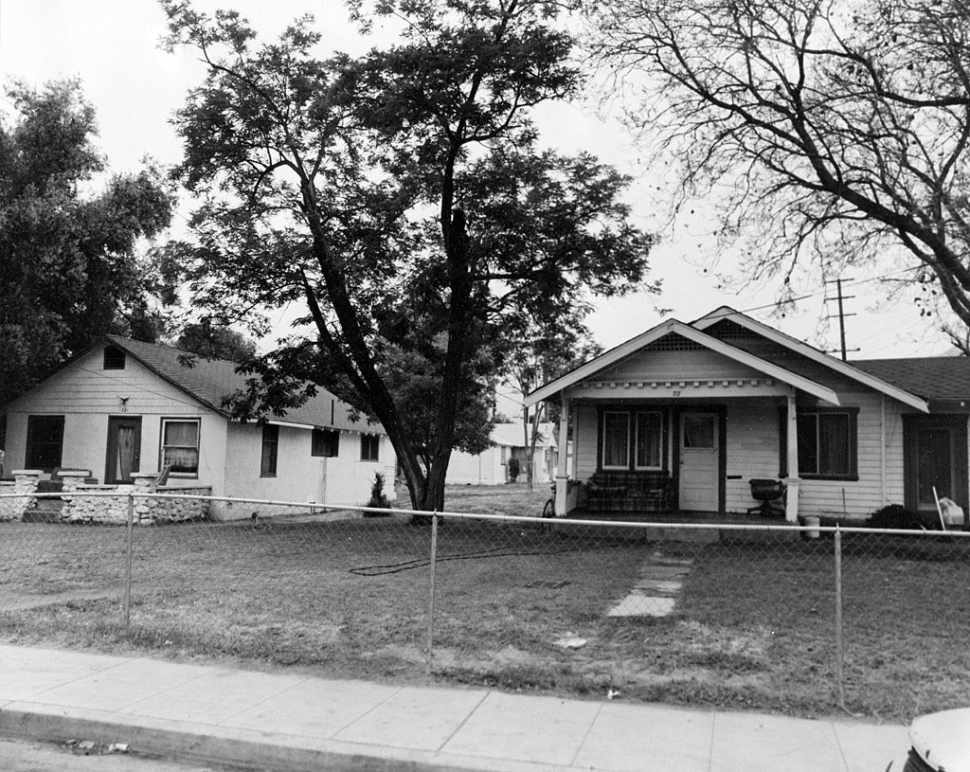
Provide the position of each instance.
(271, 441)
(616, 440)
(827, 444)
(649, 428)
(45, 441)
(180, 446)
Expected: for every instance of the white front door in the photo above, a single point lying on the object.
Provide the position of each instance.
(699, 462)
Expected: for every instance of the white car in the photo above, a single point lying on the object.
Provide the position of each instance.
(940, 743)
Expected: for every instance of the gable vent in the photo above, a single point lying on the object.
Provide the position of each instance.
(114, 358)
(674, 342)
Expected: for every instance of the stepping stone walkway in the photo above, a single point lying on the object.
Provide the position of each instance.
(656, 591)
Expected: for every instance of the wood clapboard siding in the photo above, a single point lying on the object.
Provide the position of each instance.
(867, 494)
(677, 365)
(586, 441)
(753, 447)
(84, 387)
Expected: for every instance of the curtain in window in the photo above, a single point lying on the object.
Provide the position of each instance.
(126, 452)
(616, 442)
(648, 440)
(181, 446)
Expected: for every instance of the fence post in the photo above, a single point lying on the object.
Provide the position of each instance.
(128, 551)
(434, 553)
(839, 633)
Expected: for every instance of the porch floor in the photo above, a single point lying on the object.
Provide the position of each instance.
(704, 535)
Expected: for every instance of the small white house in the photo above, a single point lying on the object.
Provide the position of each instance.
(491, 467)
(122, 407)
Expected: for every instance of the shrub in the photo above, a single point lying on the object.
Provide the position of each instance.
(897, 516)
(377, 498)
(513, 469)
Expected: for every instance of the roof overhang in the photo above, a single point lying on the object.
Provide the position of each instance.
(836, 365)
(672, 326)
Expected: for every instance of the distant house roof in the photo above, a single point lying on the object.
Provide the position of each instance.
(937, 379)
(211, 380)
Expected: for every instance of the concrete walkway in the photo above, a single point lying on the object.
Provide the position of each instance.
(288, 721)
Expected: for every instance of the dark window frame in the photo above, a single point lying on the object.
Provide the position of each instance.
(370, 447)
(269, 450)
(325, 443)
(633, 414)
(36, 445)
(851, 474)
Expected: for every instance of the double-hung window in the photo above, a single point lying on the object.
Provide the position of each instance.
(827, 444)
(639, 434)
(325, 442)
(616, 440)
(180, 446)
(649, 440)
(370, 445)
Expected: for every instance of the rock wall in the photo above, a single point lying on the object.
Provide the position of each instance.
(24, 484)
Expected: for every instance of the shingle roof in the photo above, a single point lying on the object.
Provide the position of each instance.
(210, 380)
(938, 379)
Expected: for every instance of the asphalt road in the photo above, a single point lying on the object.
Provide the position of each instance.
(25, 756)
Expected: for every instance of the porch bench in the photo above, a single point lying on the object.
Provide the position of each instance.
(630, 491)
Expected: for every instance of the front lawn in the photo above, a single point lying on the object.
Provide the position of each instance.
(752, 627)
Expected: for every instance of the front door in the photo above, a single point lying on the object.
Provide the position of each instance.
(699, 462)
(124, 449)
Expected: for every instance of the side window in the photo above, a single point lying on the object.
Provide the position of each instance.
(325, 442)
(45, 441)
(370, 445)
(180, 446)
(271, 440)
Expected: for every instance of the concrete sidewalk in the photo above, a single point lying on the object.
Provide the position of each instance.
(295, 722)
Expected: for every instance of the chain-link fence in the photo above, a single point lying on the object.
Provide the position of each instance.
(793, 619)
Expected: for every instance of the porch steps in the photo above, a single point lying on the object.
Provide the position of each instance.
(44, 511)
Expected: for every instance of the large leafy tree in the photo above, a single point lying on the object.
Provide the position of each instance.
(400, 199)
(831, 130)
(69, 259)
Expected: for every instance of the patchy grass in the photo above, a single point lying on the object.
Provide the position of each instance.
(753, 625)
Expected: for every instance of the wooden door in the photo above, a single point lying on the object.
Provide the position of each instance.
(124, 449)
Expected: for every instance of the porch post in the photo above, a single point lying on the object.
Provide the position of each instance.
(562, 476)
(791, 503)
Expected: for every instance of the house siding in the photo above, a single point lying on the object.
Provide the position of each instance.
(87, 396)
(684, 365)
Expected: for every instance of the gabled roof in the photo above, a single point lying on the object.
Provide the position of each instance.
(209, 381)
(672, 326)
(937, 379)
(852, 371)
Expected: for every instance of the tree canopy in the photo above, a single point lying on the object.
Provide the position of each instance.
(835, 131)
(68, 238)
(400, 198)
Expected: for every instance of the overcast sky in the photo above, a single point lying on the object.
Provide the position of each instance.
(112, 45)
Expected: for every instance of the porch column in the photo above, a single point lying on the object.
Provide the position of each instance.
(791, 503)
(562, 476)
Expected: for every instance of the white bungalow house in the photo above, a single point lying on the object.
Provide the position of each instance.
(491, 467)
(123, 406)
(685, 416)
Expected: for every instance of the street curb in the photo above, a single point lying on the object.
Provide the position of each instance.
(280, 753)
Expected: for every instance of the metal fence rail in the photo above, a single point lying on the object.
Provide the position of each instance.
(772, 617)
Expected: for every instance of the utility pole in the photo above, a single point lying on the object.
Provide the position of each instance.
(842, 315)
